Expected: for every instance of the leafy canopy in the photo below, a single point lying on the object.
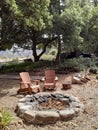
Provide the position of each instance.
(33, 13)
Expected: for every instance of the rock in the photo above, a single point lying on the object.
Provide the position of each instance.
(46, 117)
(77, 105)
(74, 99)
(28, 96)
(65, 101)
(25, 99)
(27, 107)
(67, 114)
(77, 110)
(57, 96)
(20, 96)
(23, 109)
(20, 104)
(41, 99)
(29, 116)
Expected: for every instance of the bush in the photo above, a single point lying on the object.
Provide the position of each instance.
(93, 70)
(25, 66)
(15, 67)
(78, 64)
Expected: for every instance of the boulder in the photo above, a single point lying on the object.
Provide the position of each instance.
(46, 117)
(67, 114)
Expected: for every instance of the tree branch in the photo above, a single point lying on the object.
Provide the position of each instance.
(46, 44)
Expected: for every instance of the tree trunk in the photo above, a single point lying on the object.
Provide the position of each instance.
(34, 43)
(96, 52)
(59, 38)
(95, 2)
(59, 50)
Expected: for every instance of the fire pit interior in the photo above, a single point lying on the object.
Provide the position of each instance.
(48, 108)
(53, 104)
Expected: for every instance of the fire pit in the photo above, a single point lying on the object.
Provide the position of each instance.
(48, 108)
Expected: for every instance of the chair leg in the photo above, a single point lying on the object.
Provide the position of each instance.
(43, 89)
(22, 90)
(30, 90)
(38, 89)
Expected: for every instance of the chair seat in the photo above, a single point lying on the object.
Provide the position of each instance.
(49, 84)
(35, 86)
(43, 79)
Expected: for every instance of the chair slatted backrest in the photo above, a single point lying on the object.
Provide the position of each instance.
(25, 78)
(50, 76)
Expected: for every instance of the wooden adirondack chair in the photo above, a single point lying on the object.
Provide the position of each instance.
(49, 80)
(26, 84)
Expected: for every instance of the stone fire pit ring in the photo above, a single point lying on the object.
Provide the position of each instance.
(30, 110)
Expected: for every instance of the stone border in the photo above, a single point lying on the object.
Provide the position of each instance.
(27, 108)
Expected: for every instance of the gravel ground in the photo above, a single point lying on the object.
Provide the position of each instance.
(87, 93)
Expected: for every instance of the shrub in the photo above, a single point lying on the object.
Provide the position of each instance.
(78, 64)
(93, 70)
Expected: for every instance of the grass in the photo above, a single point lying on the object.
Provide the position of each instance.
(5, 119)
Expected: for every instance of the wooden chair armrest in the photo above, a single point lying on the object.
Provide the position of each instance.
(24, 82)
(43, 79)
(56, 78)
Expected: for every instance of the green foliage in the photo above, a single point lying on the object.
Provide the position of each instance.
(34, 13)
(90, 28)
(79, 64)
(11, 67)
(75, 64)
(14, 7)
(25, 19)
(71, 20)
(27, 22)
(53, 51)
(13, 62)
(25, 66)
(6, 118)
(94, 65)
(93, 70)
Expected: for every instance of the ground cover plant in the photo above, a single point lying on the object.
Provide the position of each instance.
(6, 119)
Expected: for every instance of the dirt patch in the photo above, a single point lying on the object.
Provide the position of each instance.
(87, 93)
